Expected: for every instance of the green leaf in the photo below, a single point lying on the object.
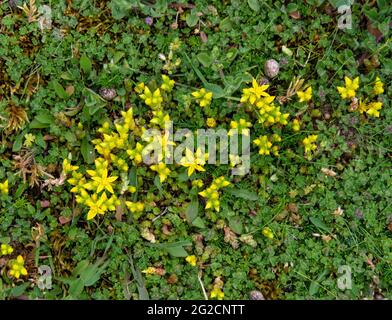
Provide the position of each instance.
(292, 7)
(76, 288)
(315, 285)
(191, 19)
(170, 244)
(217, 90)
(192, 210)
(87, 150)
(19, 290)
(198, 223)
(236, 225)
(45, 118)
(205, 59)
(178, 251)
(39, 140)
(319, 224)
(85, 64)
(21, 188)
(93, 101)
(18, 143)
(244, 194)
(197, 71)
(225, 25)
(254, 5)
(93, 273)
(60, 91)
(35, 124)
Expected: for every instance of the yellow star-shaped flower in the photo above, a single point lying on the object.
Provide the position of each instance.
(104, 182)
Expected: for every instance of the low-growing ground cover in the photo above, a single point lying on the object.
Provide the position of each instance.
(99, 201)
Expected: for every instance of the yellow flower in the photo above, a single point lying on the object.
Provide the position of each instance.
(270, 114)
(373, 109)
(97, 206)
(119, 163)
(254, 93)
(267, 232)
(136, 154)
(129, 122)
(18, 268)
(167, 84)
(264, 102)
(211, 122)
(242, 126)
(212, 196)
(160, 118)
(203, 97)
(296, 125)
(264, 145)
(104, 182)
(135, 206)
(309, 144)
(162, 170)
(216, 292)
(67, 167)
(105, 128)
(305, 96)
(5, 249)
(152, 99)
(4, 187)
(197, 183)
(132, 189)
(139, 87)
(149, 270)
(193, 161)
(378, 86)
(348, 91)
(79, 182)
(219, 183)
(29, 140)
(191, 260)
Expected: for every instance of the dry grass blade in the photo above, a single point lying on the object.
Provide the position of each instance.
(30, 11)
(295, 85)
(26, 166)
(17, 117)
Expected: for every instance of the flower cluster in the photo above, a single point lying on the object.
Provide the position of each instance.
(5, 249)
(241, 126)
(162, 170)
(265, 145)
(349, 90)
(296, 125)
(17, 268)
(378, 86)
(372, 108)
(212, 193)
(152, 99)
(305, 96)
(254, 94)
(194, 161)
(310, 145)
(268, 112)
(369, 108)
(203, 97)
